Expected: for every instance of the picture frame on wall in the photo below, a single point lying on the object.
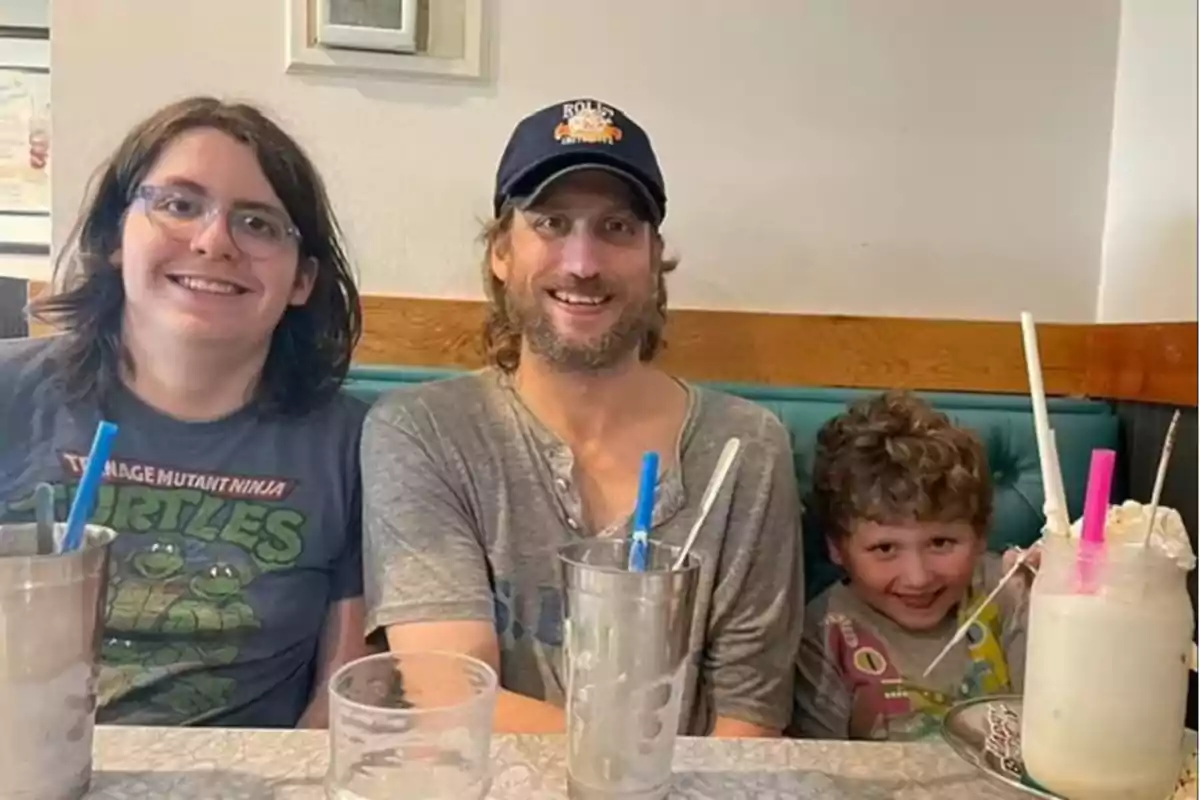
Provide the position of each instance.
(402, 39)
(388, 26)
(24, 140)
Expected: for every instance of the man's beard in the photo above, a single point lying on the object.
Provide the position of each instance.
(602, 352)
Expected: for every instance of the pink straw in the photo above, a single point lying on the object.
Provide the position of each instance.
(1099, 490)
(1095, 514)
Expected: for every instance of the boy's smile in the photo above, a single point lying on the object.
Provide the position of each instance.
(914, 573)
(919, 602)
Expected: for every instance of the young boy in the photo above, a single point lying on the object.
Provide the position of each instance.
(904, 497)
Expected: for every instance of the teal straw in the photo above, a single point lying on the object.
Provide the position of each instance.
(44, 514)
(89, 486)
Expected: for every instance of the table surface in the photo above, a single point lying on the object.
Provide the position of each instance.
(133, 763)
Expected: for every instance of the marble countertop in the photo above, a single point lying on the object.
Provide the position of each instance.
(192, 763)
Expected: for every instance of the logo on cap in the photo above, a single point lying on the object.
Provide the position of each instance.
(587, 122)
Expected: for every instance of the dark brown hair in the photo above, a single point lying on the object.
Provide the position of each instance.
(501, 335)
(892, 459)
(312, 345)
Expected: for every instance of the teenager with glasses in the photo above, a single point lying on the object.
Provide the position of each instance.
(205, 304)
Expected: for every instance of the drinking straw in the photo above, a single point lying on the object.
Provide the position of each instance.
(1161, 475)
(1022, 556)
(44, 515)
(1055, 505)
(643, 512)
(724, 462)
(1099, 489)
(1095, 511)
(1056, 483)
(89, 486)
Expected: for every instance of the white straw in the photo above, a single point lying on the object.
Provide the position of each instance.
(1161, 475)
(724, 462)
(1064, 517)
(1055, 475)
(1054, 506)
(962, 629)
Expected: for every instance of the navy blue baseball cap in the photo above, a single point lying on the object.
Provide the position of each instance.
(576, 135)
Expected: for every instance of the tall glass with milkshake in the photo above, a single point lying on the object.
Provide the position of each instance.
(1110, 640)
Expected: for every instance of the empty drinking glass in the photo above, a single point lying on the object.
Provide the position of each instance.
(51, 614)
(627, 656)
(411, 726)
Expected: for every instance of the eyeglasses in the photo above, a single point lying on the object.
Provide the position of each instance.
(184, 213)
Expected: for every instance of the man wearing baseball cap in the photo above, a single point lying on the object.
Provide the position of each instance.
(471, 484)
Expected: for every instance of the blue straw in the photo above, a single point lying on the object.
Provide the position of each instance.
(89, 486)
(643, 513)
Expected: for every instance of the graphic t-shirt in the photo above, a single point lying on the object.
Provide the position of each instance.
(859, 674)
(235, 537)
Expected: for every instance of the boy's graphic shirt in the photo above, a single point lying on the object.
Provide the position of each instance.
(859, 674)
(234, 538)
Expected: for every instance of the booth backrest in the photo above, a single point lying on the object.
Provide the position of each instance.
(1004, 422)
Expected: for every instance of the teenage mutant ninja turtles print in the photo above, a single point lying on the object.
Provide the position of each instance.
(235, 537)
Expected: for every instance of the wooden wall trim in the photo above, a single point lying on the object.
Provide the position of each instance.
(1154, 363)
(1145, 362)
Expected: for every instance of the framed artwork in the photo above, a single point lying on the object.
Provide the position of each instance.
(439, 39)
(24, 140)
(388, 26)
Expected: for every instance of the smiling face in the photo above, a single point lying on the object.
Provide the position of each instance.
(915, 574)
(578, 273)
(905, 495)
(194, 283)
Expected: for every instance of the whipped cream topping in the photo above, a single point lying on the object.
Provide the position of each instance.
(1126, 524)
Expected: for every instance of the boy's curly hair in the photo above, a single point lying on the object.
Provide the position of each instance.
(892, 459)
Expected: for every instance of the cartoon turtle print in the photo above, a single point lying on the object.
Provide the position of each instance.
(214, 604)
(137, 597)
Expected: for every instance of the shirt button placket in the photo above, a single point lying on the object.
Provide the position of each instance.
(570, 503)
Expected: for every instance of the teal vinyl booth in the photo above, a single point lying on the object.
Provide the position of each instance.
(1004, 422)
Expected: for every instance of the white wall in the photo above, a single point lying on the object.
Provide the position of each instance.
(1149, 256)
(906, 157)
